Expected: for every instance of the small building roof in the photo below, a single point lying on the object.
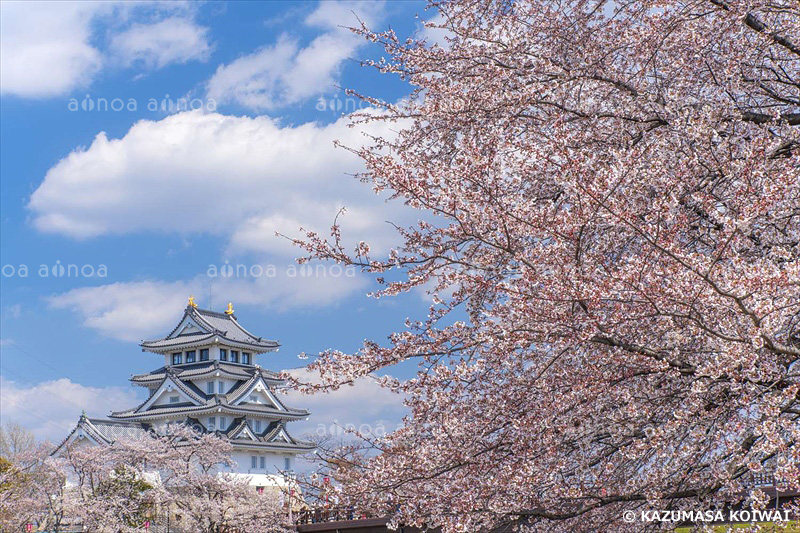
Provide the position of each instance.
(103, 431)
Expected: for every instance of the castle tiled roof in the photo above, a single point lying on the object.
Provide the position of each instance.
(202, 402)
(181, 340)
(241, 388)
(208, 326)
(105, 431)
(266, 438)
(211, 406)
(206, 368)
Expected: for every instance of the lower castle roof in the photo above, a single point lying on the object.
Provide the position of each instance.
(274, 438)
(105, 431)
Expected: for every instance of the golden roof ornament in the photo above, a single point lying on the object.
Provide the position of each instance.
(191, 302)
(229, 310)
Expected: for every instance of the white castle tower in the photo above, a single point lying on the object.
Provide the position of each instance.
(211, 380)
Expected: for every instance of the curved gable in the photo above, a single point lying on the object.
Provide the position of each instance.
(258, 388)
(169, 388)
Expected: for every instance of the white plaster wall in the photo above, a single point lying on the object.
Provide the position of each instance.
(274, 462)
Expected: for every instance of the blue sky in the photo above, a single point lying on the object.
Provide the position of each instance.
(153, 143)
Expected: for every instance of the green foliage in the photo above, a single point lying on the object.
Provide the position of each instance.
(125, 484)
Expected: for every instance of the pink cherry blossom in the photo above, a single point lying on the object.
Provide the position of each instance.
(117, 488)
(611, 235)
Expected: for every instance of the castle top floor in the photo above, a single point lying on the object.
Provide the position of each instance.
(203, 335)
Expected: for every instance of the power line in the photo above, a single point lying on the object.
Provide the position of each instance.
(60, 372)
(13, 372)
(41, 416)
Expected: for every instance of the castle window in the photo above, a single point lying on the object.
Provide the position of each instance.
(212, 422)
(258, 426)
(223, 355)
(220, 387)
(177, 358)
(253, 398)
(210, 387)
(223, 423)
(234, 356)
(190, 356)
(263, 463)
(204, 354)
(174, 399)
(245, 358)
(287, 463)
(253, 462)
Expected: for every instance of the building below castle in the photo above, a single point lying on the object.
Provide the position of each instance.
(211, 380)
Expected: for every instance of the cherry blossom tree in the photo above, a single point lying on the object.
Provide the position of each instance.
(610, 196)
(192, 469)
(117, 488)
(106, 487)
(23, 478)
(88, 486)
(15, 440)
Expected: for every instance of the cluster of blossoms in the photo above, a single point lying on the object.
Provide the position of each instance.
(137, 480)
(612, 192)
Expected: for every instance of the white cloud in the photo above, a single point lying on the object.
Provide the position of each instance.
(13, 311)
(239, 177)
(255, 81)
(425, 291)
(51, 408)
(286, 73)
(431, 31)
(365, 405)
(343, 14)
(139, 310)
(364, 222)
(45, 47)
(172, 40)
(127, 311)
(51, 48)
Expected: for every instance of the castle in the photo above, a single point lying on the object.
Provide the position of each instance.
(210, 380)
